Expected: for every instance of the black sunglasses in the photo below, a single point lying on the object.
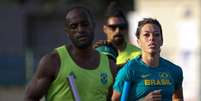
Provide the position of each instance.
(120, 26)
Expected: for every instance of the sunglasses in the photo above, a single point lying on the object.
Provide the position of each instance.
(120, 26)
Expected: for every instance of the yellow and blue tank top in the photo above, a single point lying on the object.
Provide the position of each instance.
(108, 50)
(129, 53)
(92, 85)
(166, 77)
(122, 57)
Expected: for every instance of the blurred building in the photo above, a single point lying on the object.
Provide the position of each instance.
(180, 20)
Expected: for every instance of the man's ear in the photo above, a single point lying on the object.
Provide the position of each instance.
(66, 31)
(105, 29)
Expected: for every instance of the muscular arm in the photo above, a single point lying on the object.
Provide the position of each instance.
(43, 77)
(113, 69)
(178, 95)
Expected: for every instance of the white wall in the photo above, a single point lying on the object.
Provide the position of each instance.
(180, 20)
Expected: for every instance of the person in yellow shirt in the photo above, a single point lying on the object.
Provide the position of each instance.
(93, 72)
(116, 29)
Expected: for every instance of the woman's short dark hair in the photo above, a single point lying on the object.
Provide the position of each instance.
(147, 21)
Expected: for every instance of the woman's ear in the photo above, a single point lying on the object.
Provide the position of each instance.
(162, 42)
(138, 42)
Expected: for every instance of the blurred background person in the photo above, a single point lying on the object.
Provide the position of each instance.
(116, 29)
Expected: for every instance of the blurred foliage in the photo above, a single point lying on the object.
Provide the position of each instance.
(98, 7)
(125, 3)
(9, 1)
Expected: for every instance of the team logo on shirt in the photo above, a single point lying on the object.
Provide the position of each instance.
(164, 75)
(103, 78)
(163, 80)
(145, 76)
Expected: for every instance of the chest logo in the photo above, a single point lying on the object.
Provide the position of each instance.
(164, 75)
(103, 78)
(145, 76)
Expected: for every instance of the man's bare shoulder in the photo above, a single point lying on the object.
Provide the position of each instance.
(49, 64)
(44, 76)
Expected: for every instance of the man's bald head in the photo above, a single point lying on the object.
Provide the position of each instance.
(82, 11)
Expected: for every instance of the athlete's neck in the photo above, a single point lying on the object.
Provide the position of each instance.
(85, 58)
(81, 53)
(122, 47)
(151, 60)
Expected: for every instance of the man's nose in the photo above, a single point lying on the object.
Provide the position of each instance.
(80, 28)
(117, 30)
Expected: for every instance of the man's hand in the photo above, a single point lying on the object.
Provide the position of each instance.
(100, 43)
